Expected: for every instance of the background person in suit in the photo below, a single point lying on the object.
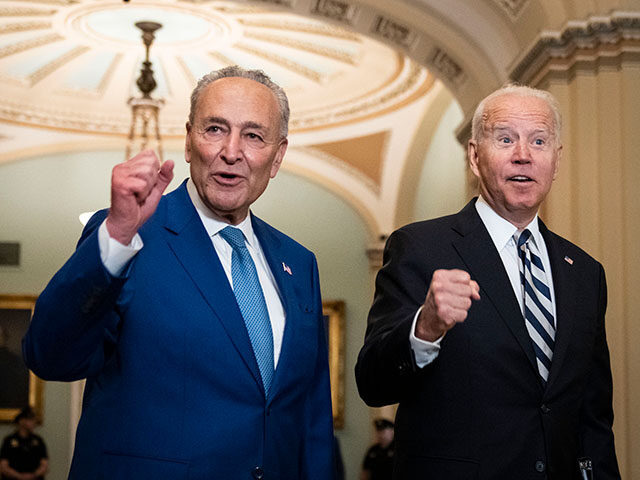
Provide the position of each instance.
(151, 309)
(493, 380)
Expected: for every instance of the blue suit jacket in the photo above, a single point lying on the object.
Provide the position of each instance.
(173, 388)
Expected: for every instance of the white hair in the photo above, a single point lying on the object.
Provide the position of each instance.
(255, 75)
(477, 124)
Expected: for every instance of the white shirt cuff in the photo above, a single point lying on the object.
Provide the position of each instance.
(424, 352)
(115, 255)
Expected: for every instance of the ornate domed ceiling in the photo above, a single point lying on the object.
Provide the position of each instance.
(69, 67)
(73, 64)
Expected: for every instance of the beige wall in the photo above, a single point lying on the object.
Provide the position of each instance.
(595, 204)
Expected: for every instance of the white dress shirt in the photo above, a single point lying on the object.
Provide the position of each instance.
(501, 232)
(115, 257)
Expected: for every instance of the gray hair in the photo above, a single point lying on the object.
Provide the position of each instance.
(477, 125)
(255, 75)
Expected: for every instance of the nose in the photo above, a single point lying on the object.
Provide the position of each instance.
(522, 153)
(232, 148)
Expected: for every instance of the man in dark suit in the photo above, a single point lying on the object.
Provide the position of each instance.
(488, 329)
(197, 325)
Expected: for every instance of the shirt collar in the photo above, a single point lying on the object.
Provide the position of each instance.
(500, 229)
(212, 222)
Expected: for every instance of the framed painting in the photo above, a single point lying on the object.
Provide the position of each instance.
(18, 386)
(333, 311)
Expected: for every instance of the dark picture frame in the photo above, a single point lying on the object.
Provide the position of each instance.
(19, 387)
(333, 312)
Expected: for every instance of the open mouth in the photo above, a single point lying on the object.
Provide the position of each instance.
(520, 179)
(225, 178)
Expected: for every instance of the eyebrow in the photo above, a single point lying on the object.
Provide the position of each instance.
(247, 124)
(506, 128)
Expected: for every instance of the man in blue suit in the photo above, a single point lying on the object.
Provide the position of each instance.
(197, 325)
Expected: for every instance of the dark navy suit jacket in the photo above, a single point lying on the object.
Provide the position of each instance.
(480, 410)
(173, 388)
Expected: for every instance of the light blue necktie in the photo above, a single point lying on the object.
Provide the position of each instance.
(538, 306)
(253, 307)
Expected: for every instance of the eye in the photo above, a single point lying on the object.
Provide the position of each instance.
(539, 141)
(213, 128)
(505, 140)
(254, 136)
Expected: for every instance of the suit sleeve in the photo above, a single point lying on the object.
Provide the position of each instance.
(75, 322)
(319, 443)
(386, 368)
(596, 412)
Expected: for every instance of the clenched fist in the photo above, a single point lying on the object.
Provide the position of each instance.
(447, 303)
(136, 188)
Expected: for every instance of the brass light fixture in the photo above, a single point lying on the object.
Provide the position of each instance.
(145, 129)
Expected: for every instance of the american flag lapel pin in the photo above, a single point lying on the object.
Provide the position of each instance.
(568, 260)
(286, 268)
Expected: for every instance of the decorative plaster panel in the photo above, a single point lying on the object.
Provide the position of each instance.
(23, 26)
(448, 67)
(47, 69)
(339, 10)
(28, 44)
(395, 32)
(24, 12)
(328, 52)
(304, 27)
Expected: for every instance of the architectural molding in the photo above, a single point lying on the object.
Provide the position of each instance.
(25, 12)
(394, 32)
(598, 42)
(283, 61)
(28, 44)
(24, 26)
(375, 252)
(580, 44)
(440, 61)
(512, 7)
(52, 66)
(309, 47)
(338, 10)
(304, 27)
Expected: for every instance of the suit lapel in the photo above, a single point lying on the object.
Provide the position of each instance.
(479, 253)
(564, 285)
(190, 243)
(276, 258)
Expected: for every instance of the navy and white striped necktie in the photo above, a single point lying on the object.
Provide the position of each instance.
(538, 305)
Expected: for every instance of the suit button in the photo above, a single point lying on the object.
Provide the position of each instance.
(540, 466)
(545, 408)
(258, 473)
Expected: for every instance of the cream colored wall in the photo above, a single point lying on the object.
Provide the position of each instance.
(442, 185)
(595, 203)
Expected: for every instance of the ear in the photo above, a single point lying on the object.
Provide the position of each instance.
(187, 143)
(557, 161)
(277, 160)
(472, 155)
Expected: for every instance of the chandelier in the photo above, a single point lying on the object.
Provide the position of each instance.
(145, 129)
